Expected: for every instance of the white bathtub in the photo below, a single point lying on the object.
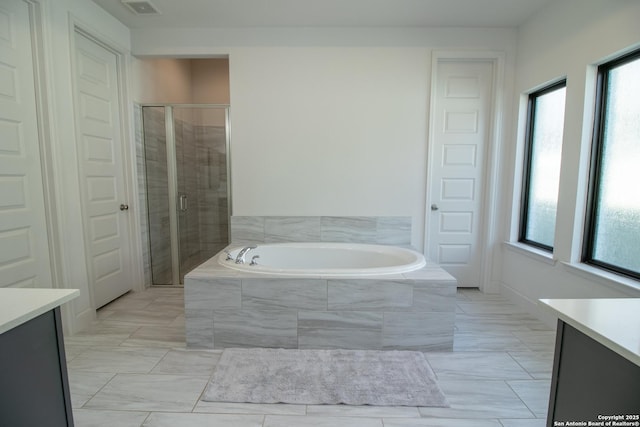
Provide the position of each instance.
(325, 259)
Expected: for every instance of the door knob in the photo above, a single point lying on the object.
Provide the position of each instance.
(434, 207)
(124, 207)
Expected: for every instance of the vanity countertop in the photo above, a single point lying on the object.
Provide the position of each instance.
(613, 322)
(18, 305)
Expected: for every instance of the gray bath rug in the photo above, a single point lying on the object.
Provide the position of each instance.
(312, 377)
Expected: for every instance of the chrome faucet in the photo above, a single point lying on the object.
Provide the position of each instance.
(241, 254)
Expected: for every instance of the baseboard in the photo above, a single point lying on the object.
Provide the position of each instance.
(493, 287)
(83, 320)
(529, 305)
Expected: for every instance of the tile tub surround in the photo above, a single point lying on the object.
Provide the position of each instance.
(230, 308)
(383, 230)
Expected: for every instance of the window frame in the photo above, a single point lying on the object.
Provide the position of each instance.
(527, 164)
(594, 178)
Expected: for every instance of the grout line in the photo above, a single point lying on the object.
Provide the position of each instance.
(146, 418)
(533, 414)
(519, 364)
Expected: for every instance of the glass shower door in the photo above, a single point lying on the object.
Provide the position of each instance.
(201, 171)
(187, 187)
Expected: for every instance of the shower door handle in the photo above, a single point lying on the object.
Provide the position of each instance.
(183, 202)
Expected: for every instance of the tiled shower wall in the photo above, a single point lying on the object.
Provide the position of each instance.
(385, 230)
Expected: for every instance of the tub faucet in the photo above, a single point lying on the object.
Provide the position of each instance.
(241, 254)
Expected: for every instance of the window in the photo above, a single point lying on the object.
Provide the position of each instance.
(612, 235)
(543, 150)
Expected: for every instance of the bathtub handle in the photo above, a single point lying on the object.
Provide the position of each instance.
(229, 257)
(240, 257)
(253, 260)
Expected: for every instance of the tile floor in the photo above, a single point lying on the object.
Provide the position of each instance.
(132, 369)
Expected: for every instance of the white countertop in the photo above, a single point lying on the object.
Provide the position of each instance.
(613, 322)
(18, 305)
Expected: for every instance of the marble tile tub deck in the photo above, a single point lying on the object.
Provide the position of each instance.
(133, 369)
(230, 308)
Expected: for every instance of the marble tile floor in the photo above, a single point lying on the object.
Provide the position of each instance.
(132, 369)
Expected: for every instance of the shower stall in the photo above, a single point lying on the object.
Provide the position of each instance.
(186, 163)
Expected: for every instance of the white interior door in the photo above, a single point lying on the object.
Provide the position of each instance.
(104, 199)
(24, 246)
(461, 118)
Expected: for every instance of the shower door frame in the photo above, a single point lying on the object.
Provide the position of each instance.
(172, 177)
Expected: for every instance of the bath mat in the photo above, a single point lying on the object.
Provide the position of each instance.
(313, 377)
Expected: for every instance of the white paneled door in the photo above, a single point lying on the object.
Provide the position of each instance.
(24, 246)
(461, 118)
(100, 148)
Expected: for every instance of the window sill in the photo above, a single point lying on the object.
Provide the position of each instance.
(531, 252)
(610, 280)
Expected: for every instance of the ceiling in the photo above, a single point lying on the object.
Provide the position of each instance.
(328, 13)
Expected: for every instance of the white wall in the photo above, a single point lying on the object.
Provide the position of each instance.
(329, 131)
(327, 121)
(59, 16)
(566, 39)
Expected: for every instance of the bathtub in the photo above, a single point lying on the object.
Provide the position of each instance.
(320, 296)
(324, 259)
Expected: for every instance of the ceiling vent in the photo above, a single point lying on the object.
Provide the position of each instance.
(144, 8)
